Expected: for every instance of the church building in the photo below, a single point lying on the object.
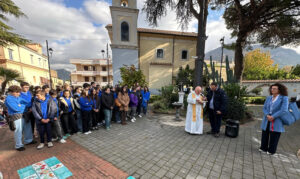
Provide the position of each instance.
(158, 53)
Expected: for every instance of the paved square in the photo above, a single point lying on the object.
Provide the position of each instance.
(150, 148)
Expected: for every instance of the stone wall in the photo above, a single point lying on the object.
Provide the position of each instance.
(292, 85)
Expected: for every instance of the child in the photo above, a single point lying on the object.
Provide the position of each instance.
(67, 111)
(44, 110)
(56, 126)
(96, 108)
(133, 104)
(86, 107)
(146, 96)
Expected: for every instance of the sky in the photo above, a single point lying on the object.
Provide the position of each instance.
(76, 28)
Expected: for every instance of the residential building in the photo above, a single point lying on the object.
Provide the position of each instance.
(91, 70)
(55, 80)
(28, 60)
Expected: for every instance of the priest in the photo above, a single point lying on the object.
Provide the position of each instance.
(194, 114)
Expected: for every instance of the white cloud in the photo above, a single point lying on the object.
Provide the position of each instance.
(99, 11)
(215, 30)
(70, 31)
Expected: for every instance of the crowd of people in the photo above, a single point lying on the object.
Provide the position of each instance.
(59, 113)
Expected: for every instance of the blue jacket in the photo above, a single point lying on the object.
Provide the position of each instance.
(27, 97)
(15, 105)
(279, 108)
(146, 97)
(85, 104)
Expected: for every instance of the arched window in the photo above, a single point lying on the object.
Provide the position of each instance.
(124, 31)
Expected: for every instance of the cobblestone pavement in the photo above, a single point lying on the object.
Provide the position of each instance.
(82, 163)
(153, 148)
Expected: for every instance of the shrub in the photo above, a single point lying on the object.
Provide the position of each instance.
(234, 90)
(161, 104)
(154, 98)
(168, 95)
(255, 100)
(257, 91)
(236, 109)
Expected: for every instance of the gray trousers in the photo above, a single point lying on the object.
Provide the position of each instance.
(56, 129)
(132, 112)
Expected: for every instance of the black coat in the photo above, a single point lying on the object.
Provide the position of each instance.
(220, 100)
(107, 101)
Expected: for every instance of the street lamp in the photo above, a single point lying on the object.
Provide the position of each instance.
(49, 51)
(222, 45)
(103, 51)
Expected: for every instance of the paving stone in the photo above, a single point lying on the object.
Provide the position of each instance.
(149, 148)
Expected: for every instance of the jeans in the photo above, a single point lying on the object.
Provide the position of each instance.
(86, 117)
(44, 128)
(145, 109)
(22, 127)
(215, 121)
(117, 114)
(28, 135)
(56, 129)
(107, 117)
(269, 140)
(18, 133)
(94, 120)
(79, 120)
(132, 112)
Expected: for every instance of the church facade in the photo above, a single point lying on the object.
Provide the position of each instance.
(158, 53)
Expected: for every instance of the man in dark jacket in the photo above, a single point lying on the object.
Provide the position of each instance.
(216, 107)
(107, 104)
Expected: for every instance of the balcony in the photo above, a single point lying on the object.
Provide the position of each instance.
(75, 83)
(92, 73)
(90, 61)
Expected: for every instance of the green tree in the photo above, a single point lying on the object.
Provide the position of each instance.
(185, 76)
(7, 76)
(8, 8)
(269, 22)
(296, 70)
(130, 76)
(185, 10)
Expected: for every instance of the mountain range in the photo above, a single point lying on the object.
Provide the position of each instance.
(63, 74)
(281, 56)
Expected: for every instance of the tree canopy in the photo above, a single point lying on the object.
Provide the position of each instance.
(269, 22)
(8, 7)
(130, 76)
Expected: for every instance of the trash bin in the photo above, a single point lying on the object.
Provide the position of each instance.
(232, 128)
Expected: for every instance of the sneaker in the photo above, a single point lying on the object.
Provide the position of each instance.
(20, 149)
(89, 132)
(108, 128)
(273, 154)
(139, 116)
(65, 137)
(132, 120)
(86, 133)
(54, 139)
(68, 135)
(62, 141)
(50, 144)
(40, 146)
(262, 151)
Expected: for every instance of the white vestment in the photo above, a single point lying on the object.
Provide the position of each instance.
(194, 114)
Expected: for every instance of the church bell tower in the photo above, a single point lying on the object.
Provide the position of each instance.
(124, 40)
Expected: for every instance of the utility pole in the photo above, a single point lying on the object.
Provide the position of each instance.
(49, 62)
(107, 63)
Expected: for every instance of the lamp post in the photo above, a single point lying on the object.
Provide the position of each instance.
(107, 64)
(49, 51)
(222, 45)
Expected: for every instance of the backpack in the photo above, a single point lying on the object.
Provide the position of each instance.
(292, 115)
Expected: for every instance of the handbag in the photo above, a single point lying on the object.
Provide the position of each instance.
(117, 102)
(292, 115)
(11, 124)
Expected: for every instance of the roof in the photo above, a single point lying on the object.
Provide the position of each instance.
(166, 32)
(272, 81)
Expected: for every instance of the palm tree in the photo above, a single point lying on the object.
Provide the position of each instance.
(7, 76)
